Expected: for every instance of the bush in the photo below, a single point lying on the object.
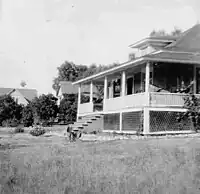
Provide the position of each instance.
(19, 129)
(27, 116)
(10, 123)
(37, 131)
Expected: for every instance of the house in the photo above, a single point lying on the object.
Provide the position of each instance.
(66, 87)
(21, 95)
(144, 94)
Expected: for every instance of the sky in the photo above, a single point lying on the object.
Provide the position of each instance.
(37, 36)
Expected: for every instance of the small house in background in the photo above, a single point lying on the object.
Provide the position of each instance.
(21, 95)
(66, 87)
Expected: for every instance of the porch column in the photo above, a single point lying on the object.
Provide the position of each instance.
(123, 83)
(79, 99)
(146, 121)
(105, 91)
(146, 115)
(91, 91)
(147, 77)
(195, 79)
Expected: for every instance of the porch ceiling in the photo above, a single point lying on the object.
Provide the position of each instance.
(159, 56)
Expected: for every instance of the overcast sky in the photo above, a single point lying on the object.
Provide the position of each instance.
(36, 36)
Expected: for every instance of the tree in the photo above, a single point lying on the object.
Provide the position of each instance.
(192, 106)
(45, 108)
(27, 115)
(158, 33)
(23, 84)
(66, 72)
(176, 32)
(10, 111)
(68, 108)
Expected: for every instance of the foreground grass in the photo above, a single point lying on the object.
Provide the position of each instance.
(51, 165)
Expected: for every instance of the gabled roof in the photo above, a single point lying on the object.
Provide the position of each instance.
(29, 94)
(184, 57)
(4, 91)
(188, 41)
(183, 49)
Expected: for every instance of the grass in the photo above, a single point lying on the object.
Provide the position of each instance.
(52, 165)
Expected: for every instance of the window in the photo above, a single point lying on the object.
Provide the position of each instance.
(129, 86)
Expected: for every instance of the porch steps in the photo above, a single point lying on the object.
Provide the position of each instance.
(86, 121)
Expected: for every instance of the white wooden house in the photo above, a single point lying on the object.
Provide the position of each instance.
(142, 94)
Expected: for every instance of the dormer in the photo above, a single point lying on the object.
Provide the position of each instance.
(151, 44)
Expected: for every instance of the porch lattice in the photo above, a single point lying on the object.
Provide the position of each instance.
(167, 121)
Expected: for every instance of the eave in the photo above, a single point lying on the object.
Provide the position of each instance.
(138, 61)
(150, 40)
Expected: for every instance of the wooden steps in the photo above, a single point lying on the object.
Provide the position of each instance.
(85, 121)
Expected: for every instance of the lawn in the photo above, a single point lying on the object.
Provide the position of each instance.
(53, 165)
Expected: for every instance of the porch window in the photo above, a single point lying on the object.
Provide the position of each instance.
(139, 84)
(129, 86)
(117, 88)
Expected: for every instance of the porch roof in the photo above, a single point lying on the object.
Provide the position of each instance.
(158, 56)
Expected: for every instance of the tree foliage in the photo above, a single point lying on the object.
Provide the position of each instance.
(66, 72)
(45, 108)
(192, 106)
(68, 108)
(175, 32)
(10, 111)
(27, 115)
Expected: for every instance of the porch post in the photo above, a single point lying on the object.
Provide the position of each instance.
(195, 79)
(79, 99)
(123, 83)
(105, 91)
(147, 77)
(146, 119)
(91, 91)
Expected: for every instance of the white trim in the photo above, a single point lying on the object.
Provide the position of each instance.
(168, 109)
(170, 132)
(171, 60)
(178, 52)
(124, 110)
(146, 121)
(126, 64)
(109, 71)
(92, 113)
(135, 45)
(120, 132)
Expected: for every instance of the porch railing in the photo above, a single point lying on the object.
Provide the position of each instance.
(167, 99)
(85, 108)
(125, 102)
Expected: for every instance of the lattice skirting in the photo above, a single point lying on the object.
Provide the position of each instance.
(167, 121)
(132, 121)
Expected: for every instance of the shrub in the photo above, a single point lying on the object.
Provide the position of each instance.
(37, 131)
(27, 116)
(10, 123)
(10, 111)
(19, 129)
(192, 105)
